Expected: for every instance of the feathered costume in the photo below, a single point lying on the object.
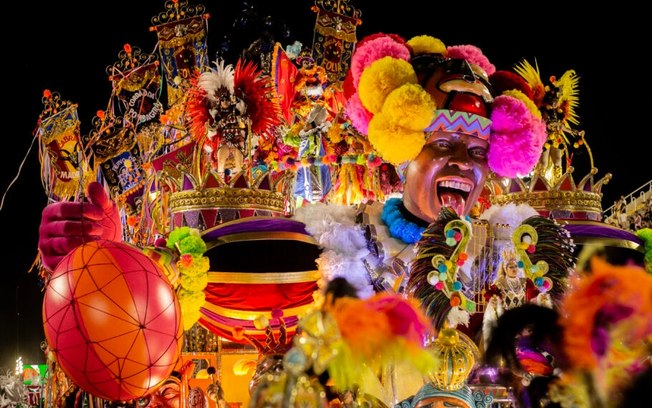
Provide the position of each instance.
(230, 105)
(544, 247)
(589, 355)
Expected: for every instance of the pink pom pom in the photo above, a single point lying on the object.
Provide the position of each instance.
(439, 285)
(404, 318)
(277, 313)
(517, 138)
(472, 54)
(358, 114)
(372, 50)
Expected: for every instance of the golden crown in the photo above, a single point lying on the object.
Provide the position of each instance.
(508, 254)
(455, 355)
(565, 198)
(552, 188)
(202, 197)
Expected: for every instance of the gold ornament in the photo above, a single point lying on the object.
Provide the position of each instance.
(455, 355)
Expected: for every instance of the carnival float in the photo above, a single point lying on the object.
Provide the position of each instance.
(362, 222)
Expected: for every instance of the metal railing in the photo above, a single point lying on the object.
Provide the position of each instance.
(634, 201)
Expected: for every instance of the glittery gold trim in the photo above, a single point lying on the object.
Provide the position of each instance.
(63, 122)
(139, 78)
(252, 315)
(177, 42)
(263, 278)
(237, 198)
(347, 35)
(554, 200)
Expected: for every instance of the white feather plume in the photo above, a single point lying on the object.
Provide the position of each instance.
(512, 214)
(343, 243)
(457, 316)
(504, 219)
(219, 77)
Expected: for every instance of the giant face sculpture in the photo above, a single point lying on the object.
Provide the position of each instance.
(451, 168)
(449, 171)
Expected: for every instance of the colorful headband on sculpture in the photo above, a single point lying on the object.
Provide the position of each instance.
(462, 122)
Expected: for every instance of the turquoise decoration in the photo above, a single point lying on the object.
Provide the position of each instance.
(466, 397)
(399, 227)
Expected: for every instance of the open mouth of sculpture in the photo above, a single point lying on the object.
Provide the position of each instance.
(454, 194)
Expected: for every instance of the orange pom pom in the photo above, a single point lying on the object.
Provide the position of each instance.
(238, 333)
(364, 328)
(185, 260)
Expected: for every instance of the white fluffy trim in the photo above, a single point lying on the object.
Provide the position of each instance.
(343, 243)
(508, 214)
(504, 219)
(457, 317)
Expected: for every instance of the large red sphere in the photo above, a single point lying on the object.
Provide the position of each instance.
(112, 320)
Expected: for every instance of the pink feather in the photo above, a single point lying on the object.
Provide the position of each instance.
(358, 114)
(372, 50)
(472, 54)
(517, 138)
(404, 317)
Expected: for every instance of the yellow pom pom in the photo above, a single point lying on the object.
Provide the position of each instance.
(190, 303)
(261, 322)
(410, 106)
(426, 44)
(515, 93)
(381, 78)
(202, 374)
(195, 283)
(394, 143)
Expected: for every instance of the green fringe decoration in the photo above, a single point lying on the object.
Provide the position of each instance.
(646, 235)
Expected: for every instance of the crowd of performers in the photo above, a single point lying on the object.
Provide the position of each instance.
(387, 278)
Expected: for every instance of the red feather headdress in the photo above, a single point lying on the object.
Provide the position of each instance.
(246, 83)
(257, 92)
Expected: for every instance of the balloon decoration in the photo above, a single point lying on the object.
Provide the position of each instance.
(112, 320)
